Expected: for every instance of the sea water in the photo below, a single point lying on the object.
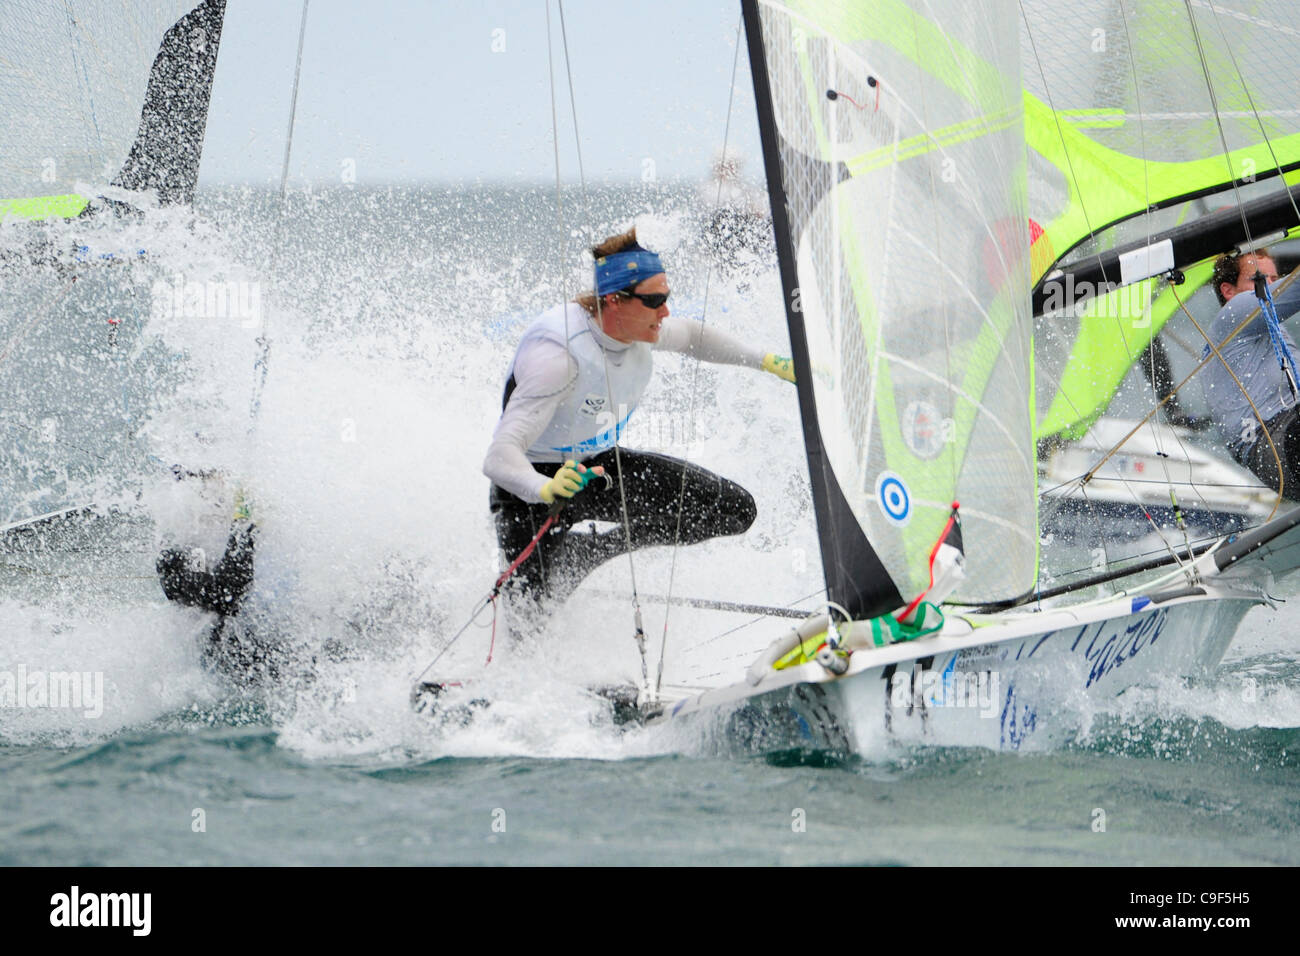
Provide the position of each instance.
(391, 317)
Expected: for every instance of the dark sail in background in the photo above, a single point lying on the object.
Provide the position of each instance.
(106, 106)
(167, 149)
(100, 94)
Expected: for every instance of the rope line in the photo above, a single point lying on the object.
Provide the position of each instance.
(695, 374)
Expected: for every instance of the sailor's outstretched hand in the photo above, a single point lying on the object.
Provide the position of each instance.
(779, 365)
(568, 481)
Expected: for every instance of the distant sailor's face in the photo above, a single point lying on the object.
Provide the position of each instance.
(1246, 278)
(632, 319)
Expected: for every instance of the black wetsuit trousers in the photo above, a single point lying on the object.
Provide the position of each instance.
(710, 506)
(220, 589)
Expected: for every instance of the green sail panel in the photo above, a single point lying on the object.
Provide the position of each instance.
(1119, 116)
(1106, 338)
(1126, 138)
(906, 201)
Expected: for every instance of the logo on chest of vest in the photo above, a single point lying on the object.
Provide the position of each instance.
(593, 405)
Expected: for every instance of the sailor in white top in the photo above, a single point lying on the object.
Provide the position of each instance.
(578, 374)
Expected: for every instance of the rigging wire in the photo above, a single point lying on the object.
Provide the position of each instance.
(573, 109)
(264, 340)
(1092, 234)
(731, 630)
(1208, 538)
(83, 78)
(639, 633)
(1051, 492)
(560, 230)
(1083, 207)
(1246, 227)
(1281, 479)
(1156, 437)
(1266, 303)
(1258, 119)
(1204, 362)
(1159, 404)
(695, 373)
(1060, 132)
(585, 230)
(1218, 120)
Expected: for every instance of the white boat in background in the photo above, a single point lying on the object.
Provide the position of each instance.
(1129, 494)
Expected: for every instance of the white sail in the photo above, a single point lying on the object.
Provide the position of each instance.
(904, 189)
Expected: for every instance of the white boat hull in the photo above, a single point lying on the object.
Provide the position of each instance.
(999, 680)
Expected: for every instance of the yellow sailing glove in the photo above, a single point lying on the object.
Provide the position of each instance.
(243, 510)
(779, 365)
(568, 481)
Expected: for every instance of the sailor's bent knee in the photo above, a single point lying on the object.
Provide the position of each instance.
(738, 511)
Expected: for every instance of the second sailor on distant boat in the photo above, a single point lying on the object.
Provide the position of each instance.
(1262, 358)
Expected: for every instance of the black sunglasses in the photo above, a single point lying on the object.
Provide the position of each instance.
(651, 300)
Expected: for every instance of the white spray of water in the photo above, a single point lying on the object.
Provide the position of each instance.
(375, 539)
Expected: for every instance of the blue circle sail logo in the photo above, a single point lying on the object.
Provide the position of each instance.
(893, 498)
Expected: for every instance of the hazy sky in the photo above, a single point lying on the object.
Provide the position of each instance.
(458, 91)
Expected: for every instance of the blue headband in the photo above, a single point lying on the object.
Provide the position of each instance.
(621, 270)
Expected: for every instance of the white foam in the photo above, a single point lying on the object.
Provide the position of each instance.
(384, 385)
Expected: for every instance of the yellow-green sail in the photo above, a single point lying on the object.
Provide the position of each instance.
(1124, 128)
